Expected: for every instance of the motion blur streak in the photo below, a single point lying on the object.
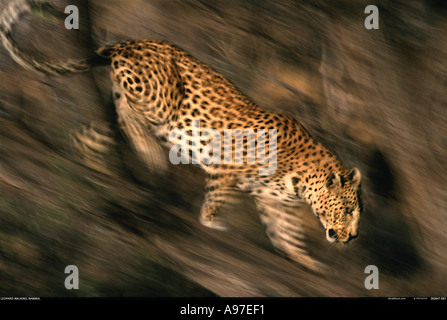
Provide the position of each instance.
(376, 97)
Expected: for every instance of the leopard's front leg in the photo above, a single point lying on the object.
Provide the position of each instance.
(219, 188)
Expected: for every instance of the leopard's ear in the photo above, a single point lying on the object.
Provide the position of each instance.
(333, 182)
(354, 176)
(295, 181)
(299, 190)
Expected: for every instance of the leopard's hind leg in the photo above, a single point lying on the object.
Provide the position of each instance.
(138, 132)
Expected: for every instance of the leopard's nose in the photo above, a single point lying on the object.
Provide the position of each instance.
(352, 236)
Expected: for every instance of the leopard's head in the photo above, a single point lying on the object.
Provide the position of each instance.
(336, 200)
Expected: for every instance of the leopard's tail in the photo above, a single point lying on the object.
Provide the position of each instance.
(9, 16)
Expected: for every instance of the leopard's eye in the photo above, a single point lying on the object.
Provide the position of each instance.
(349, 211)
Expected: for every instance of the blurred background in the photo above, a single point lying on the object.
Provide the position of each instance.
(377, 98)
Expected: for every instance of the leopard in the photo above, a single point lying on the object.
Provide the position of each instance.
(157, 87)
